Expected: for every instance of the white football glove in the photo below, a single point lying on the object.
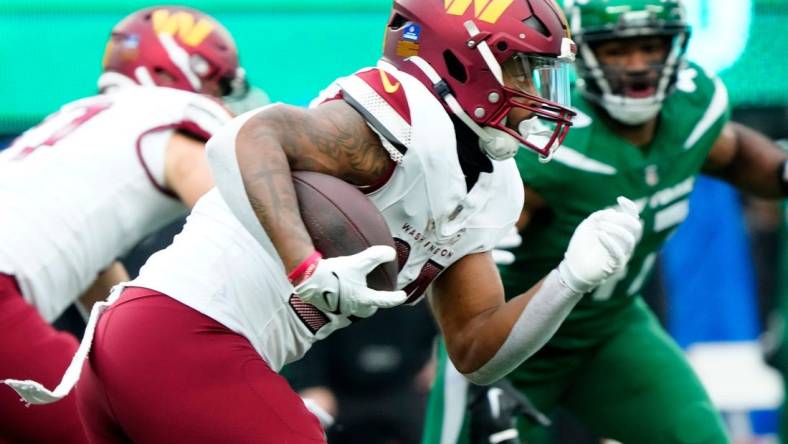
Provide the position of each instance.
(601, 246)
(339, 284)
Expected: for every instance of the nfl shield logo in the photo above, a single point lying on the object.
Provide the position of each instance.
(652, 178)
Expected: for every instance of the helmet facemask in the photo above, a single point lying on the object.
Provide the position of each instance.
(458, 51)
(632, 97)
(608, 34)
(537, 85)
(538, 88)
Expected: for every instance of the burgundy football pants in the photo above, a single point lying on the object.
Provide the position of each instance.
(162, 373)
(30, 348)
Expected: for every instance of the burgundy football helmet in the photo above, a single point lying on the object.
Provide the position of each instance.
(483, 58)
(173, 46)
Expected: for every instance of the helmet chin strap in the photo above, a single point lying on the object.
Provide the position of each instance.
(525, 126)
(532, 127)
(485, 51)
(495, 143)
(500, 146)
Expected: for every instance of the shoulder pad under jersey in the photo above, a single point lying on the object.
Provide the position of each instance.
(381, 98)
(699, 107)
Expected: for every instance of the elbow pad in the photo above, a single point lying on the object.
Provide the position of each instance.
(536, 325)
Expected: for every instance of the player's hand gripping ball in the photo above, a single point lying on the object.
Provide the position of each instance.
(358, 271)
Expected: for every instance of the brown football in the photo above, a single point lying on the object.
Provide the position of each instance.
(341, 221)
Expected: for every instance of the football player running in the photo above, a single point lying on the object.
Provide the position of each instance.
(428, 134)
(92, 180)
(648, 122)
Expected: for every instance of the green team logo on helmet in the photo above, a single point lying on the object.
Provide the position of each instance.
(596, 21)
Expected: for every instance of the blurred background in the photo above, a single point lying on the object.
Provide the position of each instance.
(723, 279)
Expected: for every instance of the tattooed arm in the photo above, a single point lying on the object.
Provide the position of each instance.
(332, 138)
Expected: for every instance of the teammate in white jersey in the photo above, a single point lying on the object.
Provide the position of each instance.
(188, 352)
(87, 184)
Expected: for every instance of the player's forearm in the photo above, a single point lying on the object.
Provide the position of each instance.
(757, 166)
(268, 181)
(252, 174)
(600, 247)
(517, 330)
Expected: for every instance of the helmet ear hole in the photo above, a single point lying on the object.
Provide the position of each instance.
(163, 77)
(455, 68)
(534, 23)
(397, 21)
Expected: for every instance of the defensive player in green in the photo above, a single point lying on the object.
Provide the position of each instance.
(648, 123)
(777, 356)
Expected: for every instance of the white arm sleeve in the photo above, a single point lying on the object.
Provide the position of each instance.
(220, 151)
(537, 323)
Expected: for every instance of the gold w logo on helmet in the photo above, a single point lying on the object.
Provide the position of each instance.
(486, 10)
(181, 23)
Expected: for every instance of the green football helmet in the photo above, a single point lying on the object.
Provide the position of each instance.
(596, 21)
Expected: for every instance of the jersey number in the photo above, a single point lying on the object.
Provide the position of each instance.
(88, 112)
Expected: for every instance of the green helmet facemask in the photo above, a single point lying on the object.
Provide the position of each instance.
(593, 22)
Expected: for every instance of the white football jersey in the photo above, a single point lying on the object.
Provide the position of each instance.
(84, 186)
(222, 270)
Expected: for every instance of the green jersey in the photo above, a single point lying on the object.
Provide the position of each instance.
(594, 166)
(594, 366)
